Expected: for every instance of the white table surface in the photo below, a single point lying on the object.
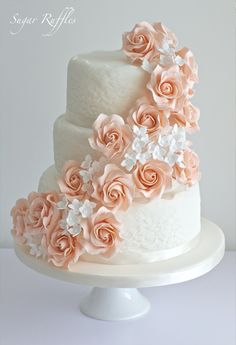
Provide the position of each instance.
(39, 310)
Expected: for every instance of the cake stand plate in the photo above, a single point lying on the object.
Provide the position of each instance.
(115, 295)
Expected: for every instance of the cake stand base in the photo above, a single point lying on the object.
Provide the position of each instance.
(112, 304)
(115, 296)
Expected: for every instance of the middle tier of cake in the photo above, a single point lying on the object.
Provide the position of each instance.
(70, 142)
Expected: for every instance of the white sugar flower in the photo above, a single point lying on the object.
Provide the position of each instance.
(157, 152)
(143, 157)
(141, 138)
(179, 60)
(168, 56)
(97, 166)
(90, 169)
(71, 221)
(72, 218)
(34, 243)
(179, 133)
(87, 188)
(63, 224)
(178, 138)
(168, 146)
(62, 204)
(171, 158)
(75, 230)
(179, 160)
(166, 49)
(175, 140)
(76, 210)
(164, 140)
(85, 175)
(140, 131)
(86, 209)
(129, 160)
(35, 250)
(147, 66)
(138, 145)
(75, 205)
(138, 151)
(87, 162)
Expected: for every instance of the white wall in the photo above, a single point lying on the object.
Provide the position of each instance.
(33, 83)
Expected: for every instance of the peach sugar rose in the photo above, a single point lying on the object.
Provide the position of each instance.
(71, 182)
(152, 178)
(18, 213)
(111, 135)
(165, 34)
(168, 87)
(188, 117)
(190, 67)
(42, 212)
(62, 248)
(114, 189)
(147, 115)
(190, 173)
(34, 216)
(101, 233)
(144, 40)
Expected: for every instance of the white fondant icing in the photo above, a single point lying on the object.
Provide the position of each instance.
(48, 180)
(102, 82)
(148, 229)
(70, 142)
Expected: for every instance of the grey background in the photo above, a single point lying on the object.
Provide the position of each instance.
(33, 85)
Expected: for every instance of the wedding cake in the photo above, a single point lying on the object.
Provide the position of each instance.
(124, 185)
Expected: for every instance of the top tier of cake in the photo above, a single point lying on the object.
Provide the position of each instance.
(102, 82)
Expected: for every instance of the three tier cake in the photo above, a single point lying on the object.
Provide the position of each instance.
(124, 185)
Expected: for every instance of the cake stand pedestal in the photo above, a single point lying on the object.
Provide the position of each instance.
(115, 295)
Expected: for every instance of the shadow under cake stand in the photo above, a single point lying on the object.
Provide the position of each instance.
(115, 295)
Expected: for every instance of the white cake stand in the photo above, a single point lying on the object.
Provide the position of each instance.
(115, 295)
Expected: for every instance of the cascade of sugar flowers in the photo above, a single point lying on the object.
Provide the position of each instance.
(140, 155)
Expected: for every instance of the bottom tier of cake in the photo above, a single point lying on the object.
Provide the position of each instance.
(158, 230)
